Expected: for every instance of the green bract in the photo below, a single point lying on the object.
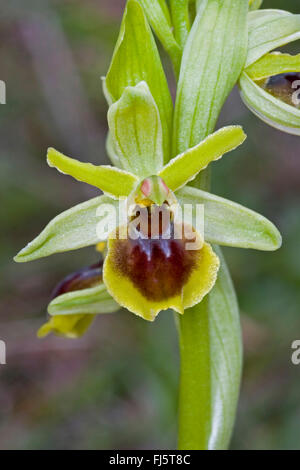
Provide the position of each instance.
(210, 67)
(160, 20)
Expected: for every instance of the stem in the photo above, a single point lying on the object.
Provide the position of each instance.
(194, 381)
(194, 390)
(209, 332)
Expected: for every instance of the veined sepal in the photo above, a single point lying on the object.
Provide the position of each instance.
(230, 224)
(75, 228)
(91, 301)
(268, 30)
(136, 131)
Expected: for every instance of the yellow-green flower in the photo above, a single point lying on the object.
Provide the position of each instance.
(148, 143)
(154, 273)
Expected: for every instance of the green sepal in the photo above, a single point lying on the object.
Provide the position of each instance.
(91, 301)
(260, 17)
(136, 131)
(113, 181)
(230, 224)
(136, 59)
(72, 229)
(185, 167)
(271, 31)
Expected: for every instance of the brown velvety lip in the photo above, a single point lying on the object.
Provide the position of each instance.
(159, 268)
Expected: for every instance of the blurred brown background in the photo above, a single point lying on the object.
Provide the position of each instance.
(116, 387)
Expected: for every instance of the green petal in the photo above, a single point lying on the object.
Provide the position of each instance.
(211, 65)
(73, 229)
(112, 181)
(159, 17)
(136, 131)
(230, 224)
(136, 59)
(183, 168)
(69, 326)
(274, 31)
(271, 110)
(92, 301)
(273, 64)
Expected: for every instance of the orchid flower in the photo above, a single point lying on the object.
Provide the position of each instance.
(157, 224)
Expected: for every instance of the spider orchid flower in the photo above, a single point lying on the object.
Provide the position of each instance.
(156, 258)
(156, 223)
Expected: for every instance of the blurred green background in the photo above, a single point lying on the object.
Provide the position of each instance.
(116, 387)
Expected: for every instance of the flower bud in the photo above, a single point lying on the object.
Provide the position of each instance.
(73, 326)
(82, 279)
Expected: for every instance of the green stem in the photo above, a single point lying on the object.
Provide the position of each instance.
(209, 332)
(194, 390)
(210, 372)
